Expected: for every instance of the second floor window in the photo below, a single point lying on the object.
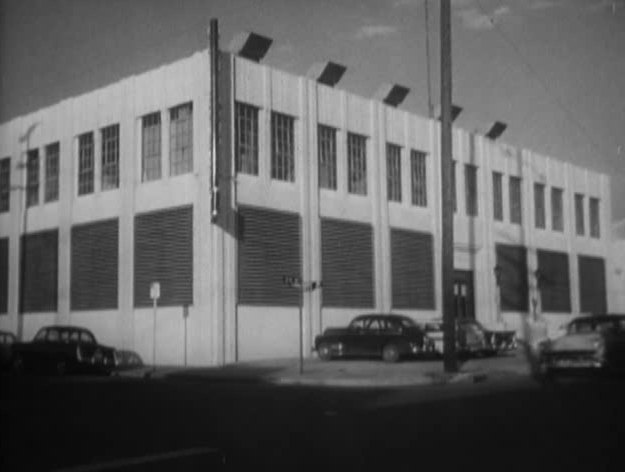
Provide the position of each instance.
(85, 164)
(181, 139)
(52, 172)
(326, 137)
(5, 184)
(470, 186)
(579, 214)
(393, 172)
(595, 222)
(539, 205)
(151, 147)
(498, 196)
(516, 202)
(357, 164)
(32, 177)
(557, 215)
(418, 183)
(246, 138)
(282, 147)
(110, 157)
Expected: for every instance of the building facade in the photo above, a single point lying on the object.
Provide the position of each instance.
(123, 186)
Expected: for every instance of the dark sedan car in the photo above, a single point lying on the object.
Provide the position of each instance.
(62, 350)
(388, 336)
(6, 348)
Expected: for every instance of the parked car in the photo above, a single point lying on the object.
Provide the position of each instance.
(497, 341)
(7, 340)
(590, 342)
(389, 336)
(62, 350)
(471, 337)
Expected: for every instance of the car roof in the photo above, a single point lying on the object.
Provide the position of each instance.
(391, 316)
(65, 328)
(600, 317)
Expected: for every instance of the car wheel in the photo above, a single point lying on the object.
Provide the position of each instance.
(17, 365)
(324, 351)
(60, 368)
(390, 353)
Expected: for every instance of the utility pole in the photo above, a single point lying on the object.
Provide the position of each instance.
(447, 213)
(427, 60)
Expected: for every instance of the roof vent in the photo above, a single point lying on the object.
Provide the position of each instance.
(327, 73)
(496, 130)
(251, 46)
(455, 111)
(392, 94)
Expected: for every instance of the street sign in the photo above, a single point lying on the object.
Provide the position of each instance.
(155, 290)
(291, 281)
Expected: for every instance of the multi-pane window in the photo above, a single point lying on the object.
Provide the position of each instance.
(557, 215)
(5, 184)
(539, 205)
(32, 177)
(357, 164)
(85, 164)
(595, 225)
(470, 186)
(246, 129)
(498, 196)
(516, 205)
(282, 147)
(151, 147)
(393, 172)
(52, 172)
(181, 139)
(418, 173)
(326, 137)
(110, 157)
(579, 214)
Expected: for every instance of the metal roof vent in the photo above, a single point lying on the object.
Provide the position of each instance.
(455, 111)
(251, 46)
(327, 73)
(392, 94)
(496, 130)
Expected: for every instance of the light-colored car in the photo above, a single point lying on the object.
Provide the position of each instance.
(590, 342)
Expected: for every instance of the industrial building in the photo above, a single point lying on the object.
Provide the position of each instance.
(290, 179)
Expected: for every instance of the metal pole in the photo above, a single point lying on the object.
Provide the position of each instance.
(447, 246)
(185, 341)
(427, 55)
(301, 330)
(154, 337)
(214, 57)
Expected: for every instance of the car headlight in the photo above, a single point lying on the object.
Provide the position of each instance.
(599, 347)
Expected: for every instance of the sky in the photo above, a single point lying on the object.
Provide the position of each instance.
(553, 70)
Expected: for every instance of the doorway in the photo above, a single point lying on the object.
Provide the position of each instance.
(464, 305)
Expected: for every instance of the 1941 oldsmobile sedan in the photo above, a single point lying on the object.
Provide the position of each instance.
(63, 350)
(590, 342)
(388, 336)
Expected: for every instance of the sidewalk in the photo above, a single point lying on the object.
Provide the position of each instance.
(352, 373)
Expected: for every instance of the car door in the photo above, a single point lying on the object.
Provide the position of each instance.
(353, 338)
(373, 341)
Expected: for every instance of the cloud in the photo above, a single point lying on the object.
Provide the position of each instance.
(474, 19)
(544, 5)
(605, 5)
(370, 31)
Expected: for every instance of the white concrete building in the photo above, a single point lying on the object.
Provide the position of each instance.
(314, 183)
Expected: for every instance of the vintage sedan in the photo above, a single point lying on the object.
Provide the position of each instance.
(63, 350)
(389, 336)
(590, 342)
(497, 341)
(7, 340)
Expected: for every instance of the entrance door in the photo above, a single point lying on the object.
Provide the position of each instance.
(464, 307)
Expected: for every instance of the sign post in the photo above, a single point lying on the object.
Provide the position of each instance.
(296, 282)
(155, 294)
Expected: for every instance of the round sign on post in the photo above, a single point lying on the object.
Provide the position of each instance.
(155, 290)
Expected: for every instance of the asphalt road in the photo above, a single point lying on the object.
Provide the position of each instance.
(89, 424)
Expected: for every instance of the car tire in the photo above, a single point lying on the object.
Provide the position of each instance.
(60, 368)
(390, 353)
(17, 365)
(325, 352)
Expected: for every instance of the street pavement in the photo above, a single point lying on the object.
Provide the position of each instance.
(348, 373)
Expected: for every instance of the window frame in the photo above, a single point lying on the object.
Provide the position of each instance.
(594, 210)
(52, 160)
(557, 209)
(282, 147)
(246, 138)
(86, 163)
(580, 223)
(393, 172)
(356, 164)
(497, 196)
(181, 139)
(418, 175)
(32, 177)
(515, 191)
(471, 189)
(5, 184)
(540, 215)
(151, 147)
(327, 157)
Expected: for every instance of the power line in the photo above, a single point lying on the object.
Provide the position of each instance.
(559, 103)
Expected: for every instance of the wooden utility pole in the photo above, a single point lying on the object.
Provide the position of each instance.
(447, 213)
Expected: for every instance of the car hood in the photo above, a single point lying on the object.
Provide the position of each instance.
(575, 342)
